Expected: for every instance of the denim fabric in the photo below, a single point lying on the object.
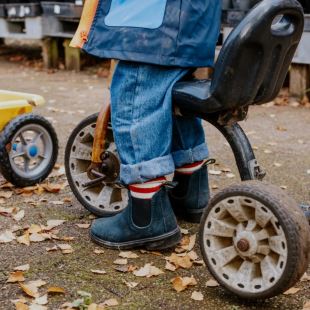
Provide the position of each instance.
(151, 141)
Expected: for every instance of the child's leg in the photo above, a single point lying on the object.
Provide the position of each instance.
(143, 127)
(189, 151)
(142, 119)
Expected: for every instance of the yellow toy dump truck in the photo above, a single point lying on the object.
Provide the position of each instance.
(28, 142)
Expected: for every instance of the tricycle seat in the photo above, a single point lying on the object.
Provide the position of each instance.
(194, 96)
(253, 62)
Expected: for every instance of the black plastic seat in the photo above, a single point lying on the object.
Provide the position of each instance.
(252, 64)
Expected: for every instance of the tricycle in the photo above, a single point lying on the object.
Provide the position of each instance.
(28, 142)
(254, 238)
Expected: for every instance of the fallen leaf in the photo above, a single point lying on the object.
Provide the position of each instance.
(41, 300)
(55, 290)
(37, 307)
(170, 266)
(183, 262)
(306, 305)
(184, 231)
(148, 271)
(7, 236)
(36, 237)
(197, 296)
(130, 284)
(230, 175)
(24, 239)
(37, 283)
(21, 306)
(54, 223)
(22, 268)
(121, 261)
(98, 251)
(181, 284)
(19, 215)
(98, 271)
(292, 291)
(305, 278)
(278, 165)
(65, 248)
(110, 302)
(17, 276)
(84, 226)
(54, 248)
(6, 194)
(34, 229)
(128, 254)
(30, 289)
(212, 283)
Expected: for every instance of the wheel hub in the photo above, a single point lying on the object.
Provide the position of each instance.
(32, 151)
(246, 244)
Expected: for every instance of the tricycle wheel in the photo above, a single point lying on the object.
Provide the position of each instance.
(99, 199)
(255, 240)
(28, 150)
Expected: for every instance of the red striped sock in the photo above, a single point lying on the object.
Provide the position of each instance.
(190, 168)
(148, 189)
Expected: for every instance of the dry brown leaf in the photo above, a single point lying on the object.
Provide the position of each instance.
(22, 268)
(37, 307)
(21, 306)
(24, 239)
(128, 254)
(41, 300)
(98, 271)
(17, 276)
(183, 262)
(34, 228)
(98, 251)
(181, 284)
(55, 290)
(53, 188)
(19, 215)
(306, 305)
(215, 172)
(30, 289)
(212, 283)
(184, 231)
(52, 249)
(7, 236)
(6, 211)
(197, 296)
(305, 278)
(121, 261)
(53, 223)
(292, 291)
(170, 266)
(57, 202)
(130, 284)
(110, 302)
(6, 194)
(65, 248)
(83, 226)
(148, 271)
(36, 237)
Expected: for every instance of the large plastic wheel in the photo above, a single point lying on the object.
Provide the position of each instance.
(28, 150)
(255, 240)
(101, 200)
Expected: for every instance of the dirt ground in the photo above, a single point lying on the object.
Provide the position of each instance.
(279, 134)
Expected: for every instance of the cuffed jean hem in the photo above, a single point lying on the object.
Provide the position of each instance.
(190, 156)
(148, 170)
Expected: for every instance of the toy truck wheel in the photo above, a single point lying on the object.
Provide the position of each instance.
(255, 240)
(28, 150)
(100, 199)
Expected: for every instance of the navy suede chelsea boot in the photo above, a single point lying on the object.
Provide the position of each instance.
(191, 195)
(150, 224)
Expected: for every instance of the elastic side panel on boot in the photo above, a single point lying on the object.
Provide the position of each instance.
(141, 212)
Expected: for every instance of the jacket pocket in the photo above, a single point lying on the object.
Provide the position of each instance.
(136, 13)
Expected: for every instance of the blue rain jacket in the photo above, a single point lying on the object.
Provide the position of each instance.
(164, 32)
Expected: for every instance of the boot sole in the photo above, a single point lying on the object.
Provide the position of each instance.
(162, 242)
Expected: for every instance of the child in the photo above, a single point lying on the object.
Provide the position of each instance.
(158, 42)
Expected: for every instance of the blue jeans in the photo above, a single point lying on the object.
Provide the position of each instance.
(151, 141)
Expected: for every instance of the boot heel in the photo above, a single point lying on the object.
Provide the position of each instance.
(166, 243)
